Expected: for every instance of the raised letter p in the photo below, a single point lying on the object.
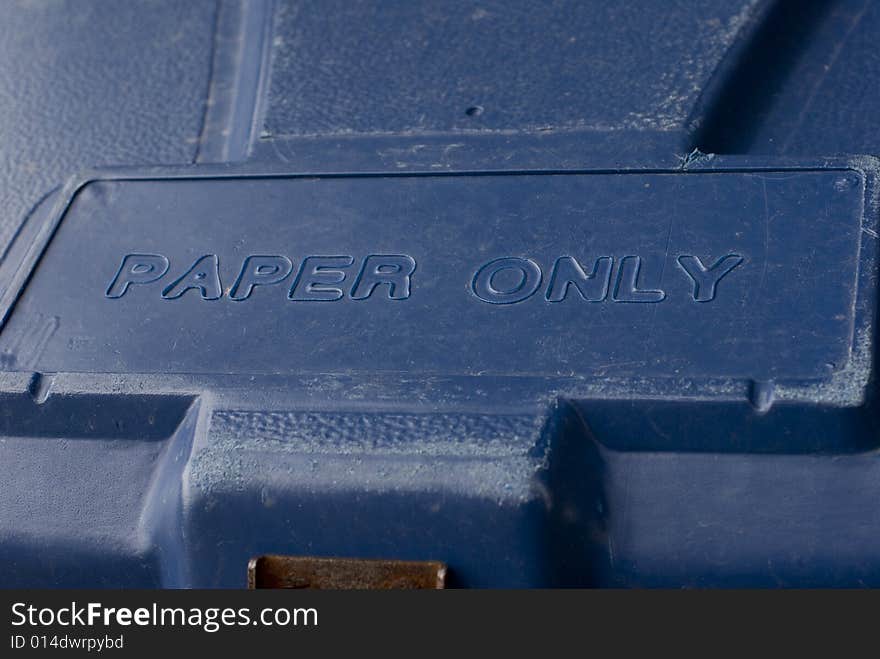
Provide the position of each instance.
(137, 269)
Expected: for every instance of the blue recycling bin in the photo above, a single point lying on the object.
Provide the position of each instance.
(557, 294)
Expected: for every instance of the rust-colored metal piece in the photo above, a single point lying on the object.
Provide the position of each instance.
(343, 573)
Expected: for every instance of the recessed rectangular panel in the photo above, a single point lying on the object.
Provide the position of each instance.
(725, 274)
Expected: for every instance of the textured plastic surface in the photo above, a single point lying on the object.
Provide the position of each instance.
(448, 282)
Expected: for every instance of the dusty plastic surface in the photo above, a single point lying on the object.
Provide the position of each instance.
(459, 283)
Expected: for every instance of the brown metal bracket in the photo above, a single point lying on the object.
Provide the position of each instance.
(304, 572)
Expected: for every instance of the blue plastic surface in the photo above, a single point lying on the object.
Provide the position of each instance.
(505, 285)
